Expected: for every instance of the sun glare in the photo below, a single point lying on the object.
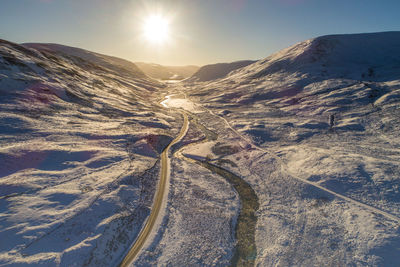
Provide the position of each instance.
(156, 29)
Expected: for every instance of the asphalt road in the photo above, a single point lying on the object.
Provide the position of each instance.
(158, 199)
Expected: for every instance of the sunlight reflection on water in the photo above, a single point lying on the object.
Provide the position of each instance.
(179, 101)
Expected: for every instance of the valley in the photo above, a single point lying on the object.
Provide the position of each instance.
(291, 160)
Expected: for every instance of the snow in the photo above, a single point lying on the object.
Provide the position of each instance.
(217, 71)
(328, 196)
(80, 142)
(99, 60)
(80, 145)
(201, 151)
(198, 225)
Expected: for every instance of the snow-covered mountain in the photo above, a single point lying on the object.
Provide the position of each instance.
(323, 120)
(364, 67)
(80, 137)
(114, 64)
(217, 71)
(161, 72)
(373, 56)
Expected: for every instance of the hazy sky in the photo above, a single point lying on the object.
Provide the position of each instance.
(201, 31)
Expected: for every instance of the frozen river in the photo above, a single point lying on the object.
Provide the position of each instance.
(180, 101)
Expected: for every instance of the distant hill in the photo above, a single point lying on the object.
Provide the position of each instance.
(161, 72)
(216, 71)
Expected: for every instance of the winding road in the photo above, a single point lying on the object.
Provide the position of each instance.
(245, 253)
(159, 199)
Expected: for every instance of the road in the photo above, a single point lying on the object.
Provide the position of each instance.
(285, 169)
(162, 189)
(159, 199)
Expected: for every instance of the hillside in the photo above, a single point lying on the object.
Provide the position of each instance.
(217, 71)
(79, 56)
(161, 72)
(293, 73)
(353, 56)
(80, 138)
(314, 129)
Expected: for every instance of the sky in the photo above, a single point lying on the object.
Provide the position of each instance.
(200, 31)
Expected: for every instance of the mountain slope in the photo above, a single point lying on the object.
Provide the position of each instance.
(117, 65)
(216, 71)
(364, 60)
(318, 124)
(79, 144)
(356, 56)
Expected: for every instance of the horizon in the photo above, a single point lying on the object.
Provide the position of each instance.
(212, 63)
(195, 33)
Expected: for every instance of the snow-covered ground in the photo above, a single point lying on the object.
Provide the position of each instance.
(198, 229)
(329, 196)
(80, 139)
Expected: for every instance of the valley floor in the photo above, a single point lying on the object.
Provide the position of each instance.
(330, 200)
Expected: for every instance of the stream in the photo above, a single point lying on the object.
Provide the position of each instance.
(245, 252)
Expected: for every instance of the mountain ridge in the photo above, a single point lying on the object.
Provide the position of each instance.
(110, 62)
(216, 71)
(332, 51)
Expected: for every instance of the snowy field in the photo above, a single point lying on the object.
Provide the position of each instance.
(198, 229)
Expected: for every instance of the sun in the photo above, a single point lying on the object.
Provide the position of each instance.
(156, 29)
